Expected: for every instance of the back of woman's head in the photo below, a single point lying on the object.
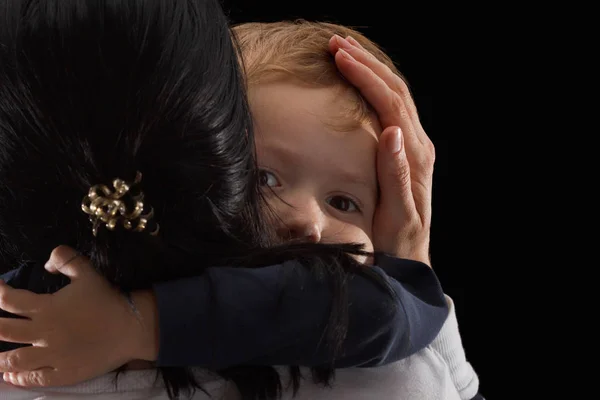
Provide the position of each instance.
(95, 90)
(91, 91)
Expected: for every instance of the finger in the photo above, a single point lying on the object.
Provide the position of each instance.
(354, 42)
(405, 187)
(19, 301)
(68, 262)
(15, 330)
(372, 87)
(395, 82)
(388, 105)
(38, 378)
(393, 172)
(402, 89)
(23, 359)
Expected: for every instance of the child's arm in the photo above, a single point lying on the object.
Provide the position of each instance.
(227, 316)
(249, 316)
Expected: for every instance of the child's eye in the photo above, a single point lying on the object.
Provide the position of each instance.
(343, 204)
(267, 178)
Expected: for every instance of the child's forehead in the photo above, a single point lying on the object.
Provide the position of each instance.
(300, 126)
(339, 107)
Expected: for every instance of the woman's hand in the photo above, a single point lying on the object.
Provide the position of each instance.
(82, 331)
(405, 158)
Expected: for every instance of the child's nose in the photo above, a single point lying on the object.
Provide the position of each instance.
(302, 223)
(305, 232)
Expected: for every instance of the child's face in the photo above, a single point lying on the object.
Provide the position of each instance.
(327, 177)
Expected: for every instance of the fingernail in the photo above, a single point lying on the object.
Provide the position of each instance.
(346, 55)
(397, 140)
(353, 41)
(343, 43)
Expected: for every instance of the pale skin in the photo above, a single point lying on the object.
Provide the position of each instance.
(322, 182)
(65, 351)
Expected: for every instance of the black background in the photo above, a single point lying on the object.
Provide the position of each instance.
(408, 34)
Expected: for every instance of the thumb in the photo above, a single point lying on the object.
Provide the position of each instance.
(393, 172)
(68, 262)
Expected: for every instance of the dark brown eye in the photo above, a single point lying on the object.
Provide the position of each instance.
(342, 203)
(267, 178)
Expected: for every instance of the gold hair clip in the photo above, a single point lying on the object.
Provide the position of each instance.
(105, 206)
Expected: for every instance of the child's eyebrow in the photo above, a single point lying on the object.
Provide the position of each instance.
(357, 179)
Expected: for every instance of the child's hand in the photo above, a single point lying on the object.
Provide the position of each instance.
(405, 158)
(82, 331)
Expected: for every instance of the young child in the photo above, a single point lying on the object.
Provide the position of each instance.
(316, 144)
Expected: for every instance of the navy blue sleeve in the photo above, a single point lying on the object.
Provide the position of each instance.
(239, 316)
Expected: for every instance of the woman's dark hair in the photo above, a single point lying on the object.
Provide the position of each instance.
(96, 90)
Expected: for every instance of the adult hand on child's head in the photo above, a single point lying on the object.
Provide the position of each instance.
(84, 330)
(405, 158)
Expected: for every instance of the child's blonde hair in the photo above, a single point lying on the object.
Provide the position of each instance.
(299, 51)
